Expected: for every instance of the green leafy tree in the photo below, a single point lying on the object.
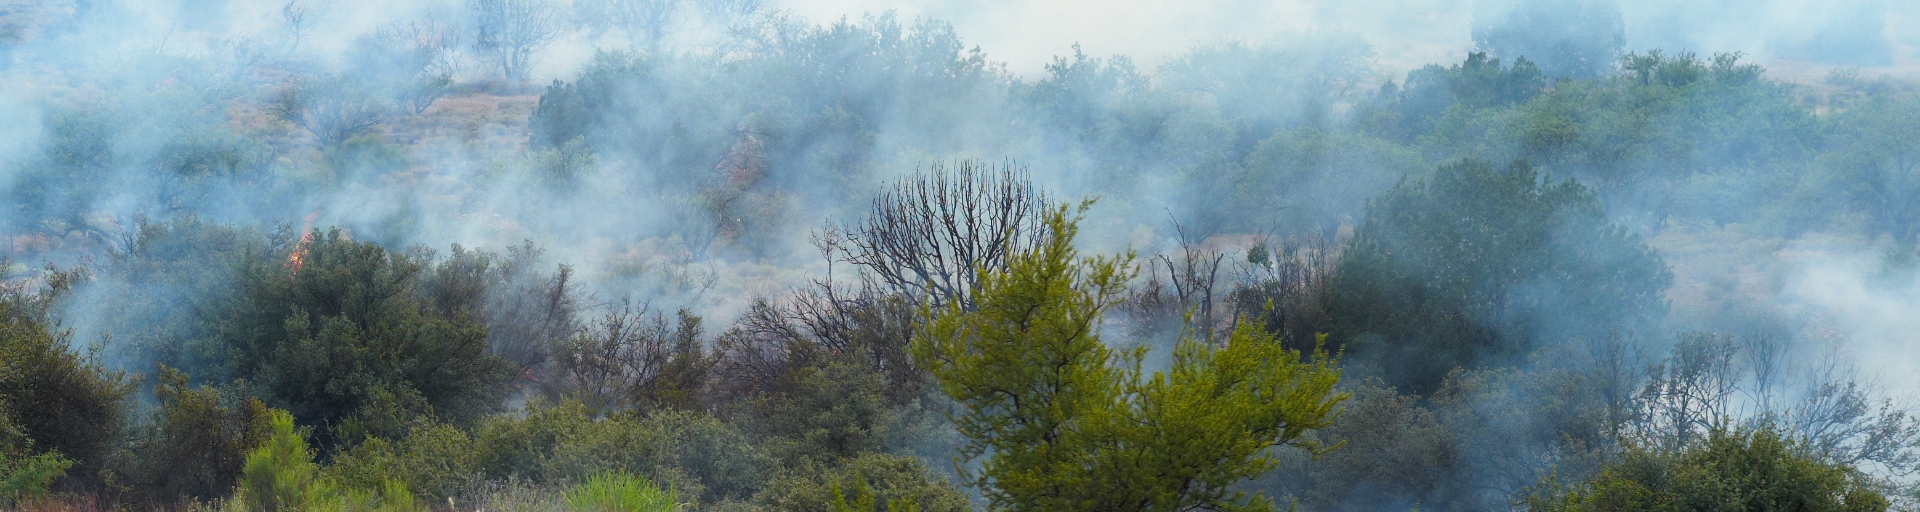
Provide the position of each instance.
(1472, 266)
(1064, 422)
(335, 334)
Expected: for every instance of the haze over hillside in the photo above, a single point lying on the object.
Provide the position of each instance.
(748, 254)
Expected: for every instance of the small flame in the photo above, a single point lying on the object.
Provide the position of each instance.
(299, 255)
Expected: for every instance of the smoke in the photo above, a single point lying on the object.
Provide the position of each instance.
(1871, 311)
(687, 157)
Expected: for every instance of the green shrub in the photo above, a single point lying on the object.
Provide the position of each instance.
(281, 476)
(333, 329)
(700, 456)
(195, 444)
(873, 478)
(56, 399)
(434, 460)
(25, 477)
(1730, 470)
(620, 492)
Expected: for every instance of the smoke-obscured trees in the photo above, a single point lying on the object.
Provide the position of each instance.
(1567, 38)
(1882, 160)
(510, 31)
(1472, 266)
(644, 21)
(410, 63)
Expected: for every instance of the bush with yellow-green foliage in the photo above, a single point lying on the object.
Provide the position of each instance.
(25, 477)
(1755, 469)
(620, 492)
(1061, 421)
(281, 476)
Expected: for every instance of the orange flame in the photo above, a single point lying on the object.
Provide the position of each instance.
(299, 254)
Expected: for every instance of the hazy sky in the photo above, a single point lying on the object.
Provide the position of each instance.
(1805, 36)
(1026, 34)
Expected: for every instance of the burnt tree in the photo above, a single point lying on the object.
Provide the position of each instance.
(928, 236)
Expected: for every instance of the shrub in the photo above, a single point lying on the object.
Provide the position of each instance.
(700, 456)
(195, 444)
(1730, 470)
(25, 477)
(1063, 421)
(880, 478)
(336, 332)
(281, 476)
(58, 400)
(433, 460)
(620, 492)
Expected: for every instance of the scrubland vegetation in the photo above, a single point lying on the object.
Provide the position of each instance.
(859, 265)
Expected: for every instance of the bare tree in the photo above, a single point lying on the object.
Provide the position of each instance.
(645, 21)
(1283, 286)
(1193, 280)
(510, 31)
(294, 17)
(928, 236)
(629, 358)
(412, 61)
(1839, 418)
(332, 108)
(731, 13)
(1687, 394)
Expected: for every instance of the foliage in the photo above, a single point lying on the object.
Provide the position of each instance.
(281, 476)
(697, 455)
(1882, 160)
(900, 483)
(195, 444)
(436, 461)
(1064, 422)
(25, 477)
(620, 492)
(54, 400)
(1472, 266)
(335, 330)
(1728, 470)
